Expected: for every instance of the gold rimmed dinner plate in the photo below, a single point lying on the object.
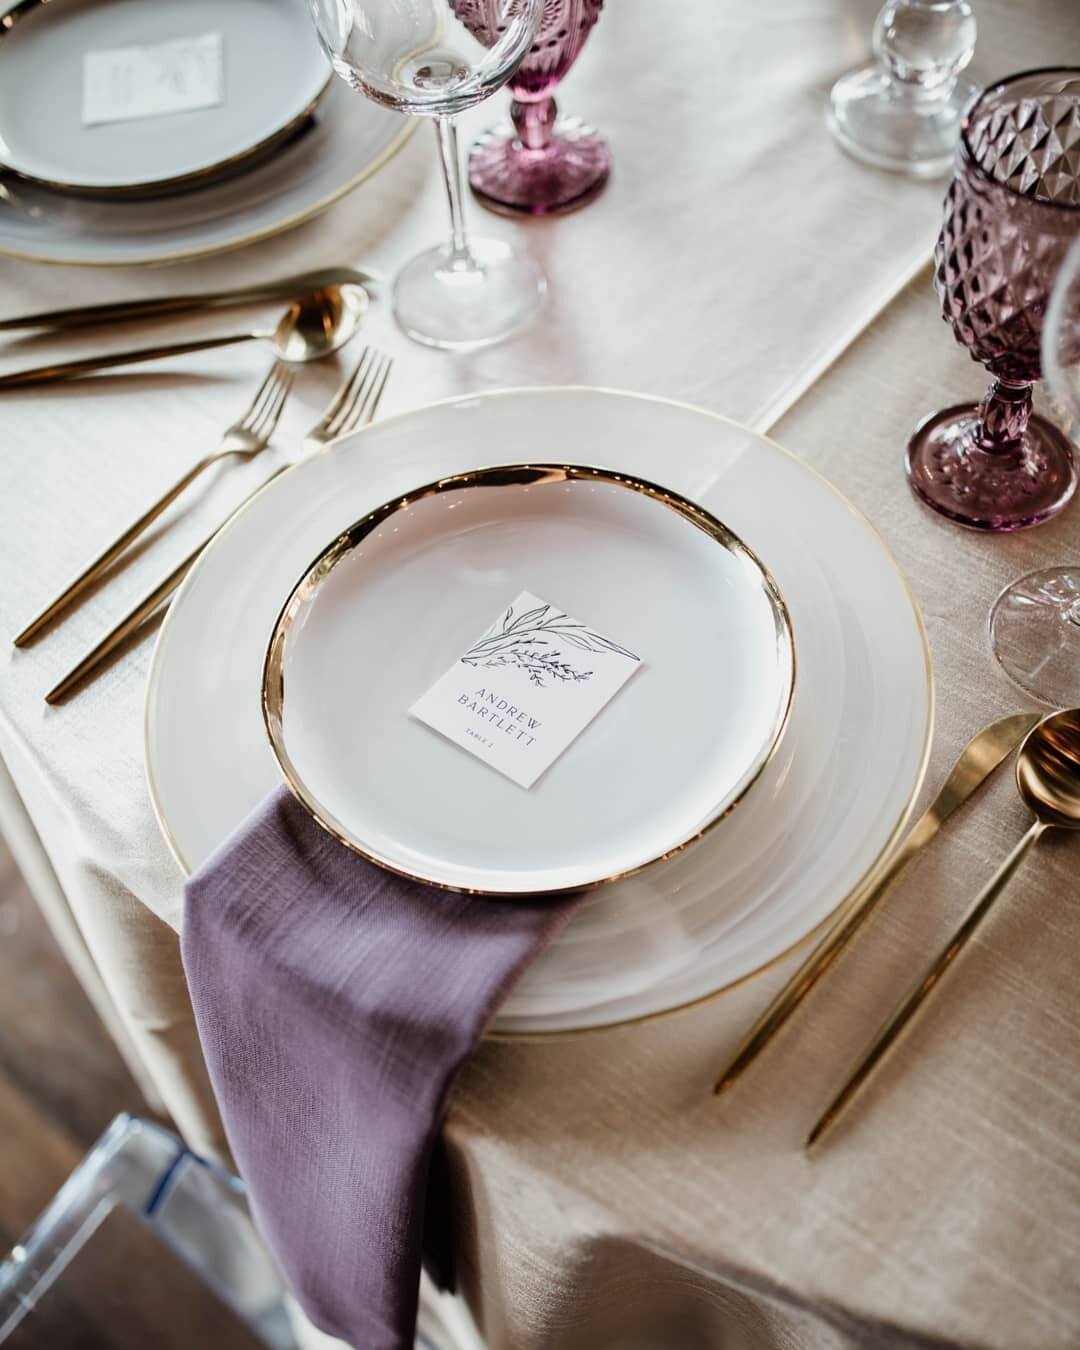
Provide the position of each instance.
(826, 809)
(265, 59)
(398, 600)
(342, 147)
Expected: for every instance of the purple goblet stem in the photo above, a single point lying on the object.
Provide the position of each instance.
(534, 122)
(1003, 418)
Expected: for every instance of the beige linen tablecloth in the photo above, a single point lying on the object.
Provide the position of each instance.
(605, 1198)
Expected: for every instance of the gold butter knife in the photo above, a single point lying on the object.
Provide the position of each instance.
(980, 757)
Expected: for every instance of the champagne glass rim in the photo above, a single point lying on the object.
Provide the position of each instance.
(966, 156)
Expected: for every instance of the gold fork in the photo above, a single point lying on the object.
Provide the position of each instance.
(354, 404)
(248, 436)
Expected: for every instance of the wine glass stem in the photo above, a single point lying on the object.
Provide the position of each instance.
(1003, 417)
(446, 128)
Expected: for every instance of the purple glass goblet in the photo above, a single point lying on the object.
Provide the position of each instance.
(1011, 212)
(540, 164)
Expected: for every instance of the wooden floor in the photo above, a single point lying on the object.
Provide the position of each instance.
(61, 1083)
(61, 1078)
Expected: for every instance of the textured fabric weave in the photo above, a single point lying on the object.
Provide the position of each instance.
(335, 1003)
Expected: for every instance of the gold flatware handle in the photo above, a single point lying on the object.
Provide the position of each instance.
(978, 760)
(108, 644)
(924, 985)
(68, 370)
(90, 574)
(145, 609)
(286, 288)
(355, 404)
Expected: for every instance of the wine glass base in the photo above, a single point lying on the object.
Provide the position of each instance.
(567, 173)
(1035, 635)
(949, 472)
(876, 119)
(443, 300)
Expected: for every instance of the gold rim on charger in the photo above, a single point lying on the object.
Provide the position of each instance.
(573, 1033)
(518, 475)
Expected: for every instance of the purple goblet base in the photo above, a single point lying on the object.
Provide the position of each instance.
(990, 490)
(567, 172)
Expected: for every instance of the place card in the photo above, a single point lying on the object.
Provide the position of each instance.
(128, 83)
(526, 688)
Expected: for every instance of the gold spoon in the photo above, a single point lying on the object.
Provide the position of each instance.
(312, 327)
(1048, 777)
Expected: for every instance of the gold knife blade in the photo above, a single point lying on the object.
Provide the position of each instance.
(980, 757)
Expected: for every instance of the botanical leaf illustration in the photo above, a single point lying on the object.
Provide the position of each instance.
(522, 641)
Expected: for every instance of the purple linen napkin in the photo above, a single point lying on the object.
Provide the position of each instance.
(335, 1002)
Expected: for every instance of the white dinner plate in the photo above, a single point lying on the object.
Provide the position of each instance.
(821, 815)
(273, 74)
(345, 141)
(398, 600)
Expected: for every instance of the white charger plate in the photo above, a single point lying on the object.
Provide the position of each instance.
(347, 139)
(274, 74)
(395, 601)
(823, 813)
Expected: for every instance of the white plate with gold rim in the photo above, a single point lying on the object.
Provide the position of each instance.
(260, 60)
(346, 140)
(399, 598)
(820, 816)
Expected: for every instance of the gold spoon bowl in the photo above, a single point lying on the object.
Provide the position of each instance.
(1048, 771)
(320, 323)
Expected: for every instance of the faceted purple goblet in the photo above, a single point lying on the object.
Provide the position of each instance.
(1011, 212)
(539, 165)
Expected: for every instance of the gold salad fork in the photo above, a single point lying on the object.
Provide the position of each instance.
(246, 438)
(354, 405)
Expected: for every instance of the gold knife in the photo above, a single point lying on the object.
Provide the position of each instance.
(980, 757)
(284, 288)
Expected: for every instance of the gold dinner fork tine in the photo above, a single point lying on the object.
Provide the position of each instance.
(246, 438)
(355, 404)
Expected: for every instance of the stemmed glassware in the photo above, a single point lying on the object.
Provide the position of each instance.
(1035, 622)
(903, 111)
(538, 165)
(417, 57)
(1011, 212)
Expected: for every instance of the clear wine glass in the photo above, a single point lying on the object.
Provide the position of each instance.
(903, 111)
(1011, 213)
(417, 57)
(1035, 622)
